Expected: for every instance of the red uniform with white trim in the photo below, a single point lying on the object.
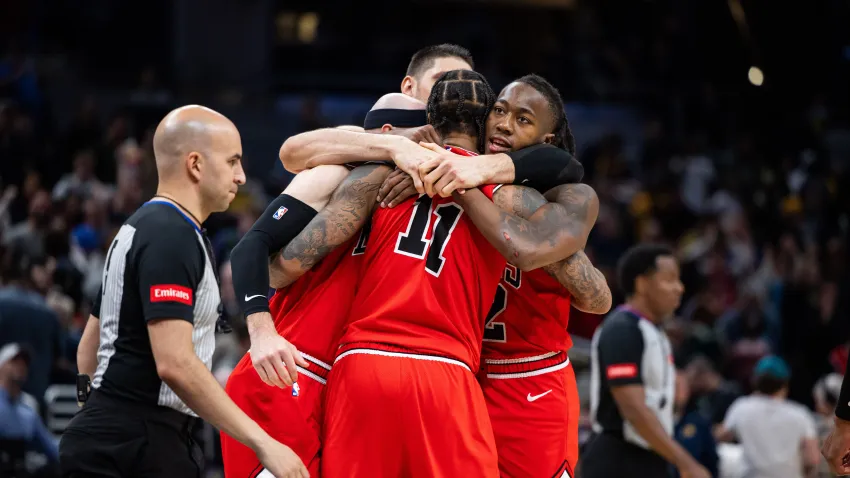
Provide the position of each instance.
(527, 380)
(402, 399)
(311, 314)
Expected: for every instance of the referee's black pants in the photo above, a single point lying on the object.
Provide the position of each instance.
(609, 456)
(112, 438)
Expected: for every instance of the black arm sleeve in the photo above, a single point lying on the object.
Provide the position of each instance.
(544, 166)
(842, 410)
(620, 351)
(170, 266)
(280, 223)
(95, 304)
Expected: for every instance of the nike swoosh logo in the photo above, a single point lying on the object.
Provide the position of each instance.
(531, 399)
(253, 297)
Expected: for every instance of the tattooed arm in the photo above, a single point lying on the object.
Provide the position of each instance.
(584, 282)
(349, 208)
(576, 273)
(552, 232)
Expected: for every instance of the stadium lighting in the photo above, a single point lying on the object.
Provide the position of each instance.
(755, 76)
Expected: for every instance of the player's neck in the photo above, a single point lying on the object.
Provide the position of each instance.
(640, 306)
(185, 198)
(461, 141)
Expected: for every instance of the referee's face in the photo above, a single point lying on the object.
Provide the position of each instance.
(223, 172)
(665, 287)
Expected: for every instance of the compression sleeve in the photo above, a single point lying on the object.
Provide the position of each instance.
(544, 167)
(282, 220)
(842, 410)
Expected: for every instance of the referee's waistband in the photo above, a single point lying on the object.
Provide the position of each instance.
(526, 366)
(167, 416)
(389, 350)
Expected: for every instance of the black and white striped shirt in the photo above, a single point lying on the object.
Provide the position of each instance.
(628, 349)
(157, 268)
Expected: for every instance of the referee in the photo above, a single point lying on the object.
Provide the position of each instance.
(633, 377)
(156, 317)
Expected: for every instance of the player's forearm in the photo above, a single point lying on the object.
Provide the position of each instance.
(347, 212)
(543, 167)
(87, 350)
(586, 284)
(544, 238)
(198, 389)
(650, 429)
(335, 146)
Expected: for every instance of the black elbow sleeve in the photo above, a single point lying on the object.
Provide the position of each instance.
(842, 409)
(282, 220)
(544, 167)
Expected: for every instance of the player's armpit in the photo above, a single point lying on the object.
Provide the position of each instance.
(552, 232)
(348, 210)
(587, 285)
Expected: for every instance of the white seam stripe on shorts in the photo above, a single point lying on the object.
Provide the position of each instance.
(501, 376)
(403, 355)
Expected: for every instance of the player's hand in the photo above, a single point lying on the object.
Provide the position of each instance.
(273, 357)
(397, 187)
(280, 460)
(450, 172)
(693, 470)
(836, 448)
(408, 155)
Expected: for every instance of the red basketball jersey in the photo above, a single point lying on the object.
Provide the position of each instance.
(311, 312)
(428, 280)
(529, 316)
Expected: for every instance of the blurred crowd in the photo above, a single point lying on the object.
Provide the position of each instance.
(759, 222)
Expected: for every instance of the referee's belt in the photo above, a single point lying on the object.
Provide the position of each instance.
(526, 366)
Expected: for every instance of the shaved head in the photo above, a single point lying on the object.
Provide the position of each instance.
(397, 101)
(187, 129)
(196, 147)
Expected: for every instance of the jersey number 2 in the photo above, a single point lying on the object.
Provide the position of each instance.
(496, 331)
(413, 243)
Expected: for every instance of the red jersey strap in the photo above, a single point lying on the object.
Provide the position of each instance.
(461, 151)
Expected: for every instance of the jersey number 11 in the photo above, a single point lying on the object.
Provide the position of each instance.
(413, 242)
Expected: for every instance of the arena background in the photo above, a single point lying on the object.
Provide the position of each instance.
(721, 128)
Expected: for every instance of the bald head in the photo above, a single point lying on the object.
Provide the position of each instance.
(398, 101)
(188, 129)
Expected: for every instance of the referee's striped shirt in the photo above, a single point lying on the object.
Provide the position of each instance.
(157, 268)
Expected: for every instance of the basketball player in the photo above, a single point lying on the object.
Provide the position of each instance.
(304, 315)
(526, 378)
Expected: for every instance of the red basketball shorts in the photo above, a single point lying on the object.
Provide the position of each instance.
(534, 409)
(392, 413)
(295, 421)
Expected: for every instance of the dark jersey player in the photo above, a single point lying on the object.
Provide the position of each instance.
(309, 309)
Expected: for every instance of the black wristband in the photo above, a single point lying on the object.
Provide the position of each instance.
(842, 410)
(282, 220)
(544, 167)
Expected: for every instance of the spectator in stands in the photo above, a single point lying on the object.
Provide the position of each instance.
(19, 422)
(778, 436)
(692, 431)
(825, 394)
(81, 180)
(27, 237)
(25, 318)
(712, 394)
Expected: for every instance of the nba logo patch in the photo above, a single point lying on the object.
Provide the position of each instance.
(295, 389)
(279, 213)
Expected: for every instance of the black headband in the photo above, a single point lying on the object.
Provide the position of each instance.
(397, 118)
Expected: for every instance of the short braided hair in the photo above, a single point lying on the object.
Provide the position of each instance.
(459, 103)
(564, 138)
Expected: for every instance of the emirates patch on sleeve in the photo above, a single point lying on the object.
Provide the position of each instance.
(171, 293)
(621, 370)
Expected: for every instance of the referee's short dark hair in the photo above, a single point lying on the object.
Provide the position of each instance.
(424, 58)
(637, 261)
